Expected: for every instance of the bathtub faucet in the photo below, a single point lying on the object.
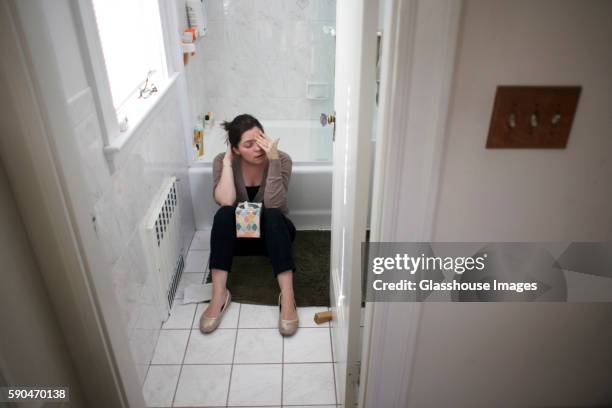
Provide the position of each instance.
(327, 119)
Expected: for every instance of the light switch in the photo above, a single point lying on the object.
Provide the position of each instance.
(538, 117)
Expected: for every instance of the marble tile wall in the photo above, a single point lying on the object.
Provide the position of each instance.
(258, 56)
(120, 201)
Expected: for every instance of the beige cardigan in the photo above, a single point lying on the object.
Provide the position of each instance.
(274, 185)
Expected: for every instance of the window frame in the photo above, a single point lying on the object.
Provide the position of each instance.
(149, 42)
(93, 58)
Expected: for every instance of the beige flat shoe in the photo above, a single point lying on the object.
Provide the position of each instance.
(287, 327)
(209, 324)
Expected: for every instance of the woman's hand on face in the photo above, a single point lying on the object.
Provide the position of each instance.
(229, 156)
(267, 144)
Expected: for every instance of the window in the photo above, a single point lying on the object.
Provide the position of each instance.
(132, 44)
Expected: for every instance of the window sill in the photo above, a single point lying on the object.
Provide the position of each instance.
(115, 151)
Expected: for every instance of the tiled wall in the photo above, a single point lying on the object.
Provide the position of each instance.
(258, 55)
(120, 201)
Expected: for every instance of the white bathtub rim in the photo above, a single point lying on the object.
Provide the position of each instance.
(322, 166)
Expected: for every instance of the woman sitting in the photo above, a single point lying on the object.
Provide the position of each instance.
(252, 169)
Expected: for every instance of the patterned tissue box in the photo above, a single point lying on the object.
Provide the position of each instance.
(247, 220)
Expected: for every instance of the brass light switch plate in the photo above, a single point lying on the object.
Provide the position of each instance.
(535, 117)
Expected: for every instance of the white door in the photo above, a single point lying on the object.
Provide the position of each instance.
(355, 83)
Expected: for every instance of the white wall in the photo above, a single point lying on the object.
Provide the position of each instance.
(509, 194)
(119, 200)
(258, 56)
(523, 354)
(32, 348)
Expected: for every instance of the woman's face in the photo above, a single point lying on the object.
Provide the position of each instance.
(248, 149)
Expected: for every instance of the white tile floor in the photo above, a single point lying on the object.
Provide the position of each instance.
(245, 362)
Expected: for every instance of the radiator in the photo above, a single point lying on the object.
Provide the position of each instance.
(161, 237)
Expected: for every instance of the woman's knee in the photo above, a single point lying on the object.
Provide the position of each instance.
(225, 215)
(272, 217)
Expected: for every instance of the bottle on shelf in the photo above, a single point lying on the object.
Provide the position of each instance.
(198, 139)
(209, 120)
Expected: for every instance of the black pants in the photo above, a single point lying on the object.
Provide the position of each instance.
(277, 235)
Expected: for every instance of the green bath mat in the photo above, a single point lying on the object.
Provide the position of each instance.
(252, 280)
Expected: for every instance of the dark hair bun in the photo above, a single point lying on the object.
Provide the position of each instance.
(238, 126)
(226, 125)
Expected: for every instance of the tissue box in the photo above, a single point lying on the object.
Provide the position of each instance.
(247, 220)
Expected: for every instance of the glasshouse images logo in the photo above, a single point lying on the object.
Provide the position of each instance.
(412, 264)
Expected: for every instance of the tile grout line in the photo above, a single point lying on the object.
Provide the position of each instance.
(229, 385)
(233, 358)
(191, 328)
(155, 349)
(178, 380)
(282, 369)
(272, 406)
(153, 355)
(241, 328)
(207, 268)
(191, 242)
(246, 364)
(157, 342)
(331, 344)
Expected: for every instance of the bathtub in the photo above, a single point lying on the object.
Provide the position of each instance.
(310, 190)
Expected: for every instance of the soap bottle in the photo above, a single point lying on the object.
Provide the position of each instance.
(209, 120)
(198, 139)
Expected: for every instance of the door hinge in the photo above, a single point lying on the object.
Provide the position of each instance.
(95, 225)
(354, 373)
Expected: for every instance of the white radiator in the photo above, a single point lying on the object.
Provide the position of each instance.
(161, 237)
